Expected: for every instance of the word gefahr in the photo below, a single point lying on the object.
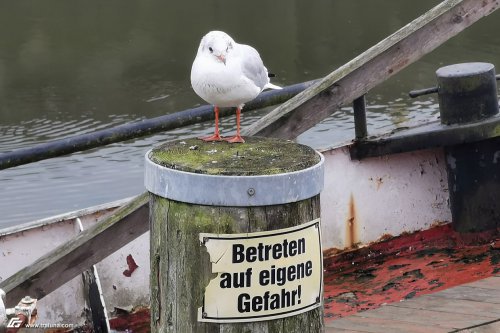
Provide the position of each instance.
(268, 301)
(266, 252)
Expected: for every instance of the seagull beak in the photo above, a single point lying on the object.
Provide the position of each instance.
(222, 58)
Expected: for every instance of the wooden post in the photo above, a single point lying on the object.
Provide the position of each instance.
(198, 187)
(468, 93)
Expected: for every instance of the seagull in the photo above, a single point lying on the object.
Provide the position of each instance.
(228, 74)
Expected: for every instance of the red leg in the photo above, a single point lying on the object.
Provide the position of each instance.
(237, 138)
(216, 136)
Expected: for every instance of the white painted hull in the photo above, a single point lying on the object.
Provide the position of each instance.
(362, 201)
(365, 200)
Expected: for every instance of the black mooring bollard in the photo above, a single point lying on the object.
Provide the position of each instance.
(468, 93)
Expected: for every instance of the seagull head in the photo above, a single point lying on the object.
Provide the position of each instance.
(216, 44)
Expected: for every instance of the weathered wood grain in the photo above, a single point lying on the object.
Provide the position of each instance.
(372, 67)
(414, 317)
(379, 325)
(472, 307)
(490, 283)
(441, 304)
(340, 330)
(470, 293)
(181, 268)
(486, 328)
(72, 258)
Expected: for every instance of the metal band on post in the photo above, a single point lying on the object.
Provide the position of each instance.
(236, 191)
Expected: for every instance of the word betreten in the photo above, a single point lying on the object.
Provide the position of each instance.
(263, 252)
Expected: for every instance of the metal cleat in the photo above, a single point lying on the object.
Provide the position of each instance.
(27, 309)
(22, 314)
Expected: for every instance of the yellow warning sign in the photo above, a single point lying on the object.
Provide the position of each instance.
(263, 275)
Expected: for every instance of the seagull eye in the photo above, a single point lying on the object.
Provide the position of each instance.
(211, 49)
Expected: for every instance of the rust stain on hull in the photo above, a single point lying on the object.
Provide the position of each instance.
(351, 237)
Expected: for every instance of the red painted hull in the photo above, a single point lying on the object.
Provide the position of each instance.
(407, 266)
(388, 271)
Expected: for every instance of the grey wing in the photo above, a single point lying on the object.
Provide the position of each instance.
(253, 67)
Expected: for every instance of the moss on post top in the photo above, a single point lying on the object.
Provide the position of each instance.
(257, 156)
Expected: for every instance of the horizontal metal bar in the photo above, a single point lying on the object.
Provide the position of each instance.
(431, 90)
(430, 135)
(421, 92)
(139, 129)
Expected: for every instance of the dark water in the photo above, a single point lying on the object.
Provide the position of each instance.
(70, 67)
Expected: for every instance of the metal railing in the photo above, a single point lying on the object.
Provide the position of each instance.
(139, 129)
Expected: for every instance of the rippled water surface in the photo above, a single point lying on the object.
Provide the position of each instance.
(72, 67)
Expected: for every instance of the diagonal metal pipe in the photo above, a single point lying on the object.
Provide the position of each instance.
(138, 129)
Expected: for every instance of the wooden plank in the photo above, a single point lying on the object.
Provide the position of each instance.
(418, 316)
(372, 67)
(81, 213)
(380, 325)
(471, 294)
(489, 283)
(457, 308)
(488, 328)
(70, 259)
(340, 330)
(441, 304)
